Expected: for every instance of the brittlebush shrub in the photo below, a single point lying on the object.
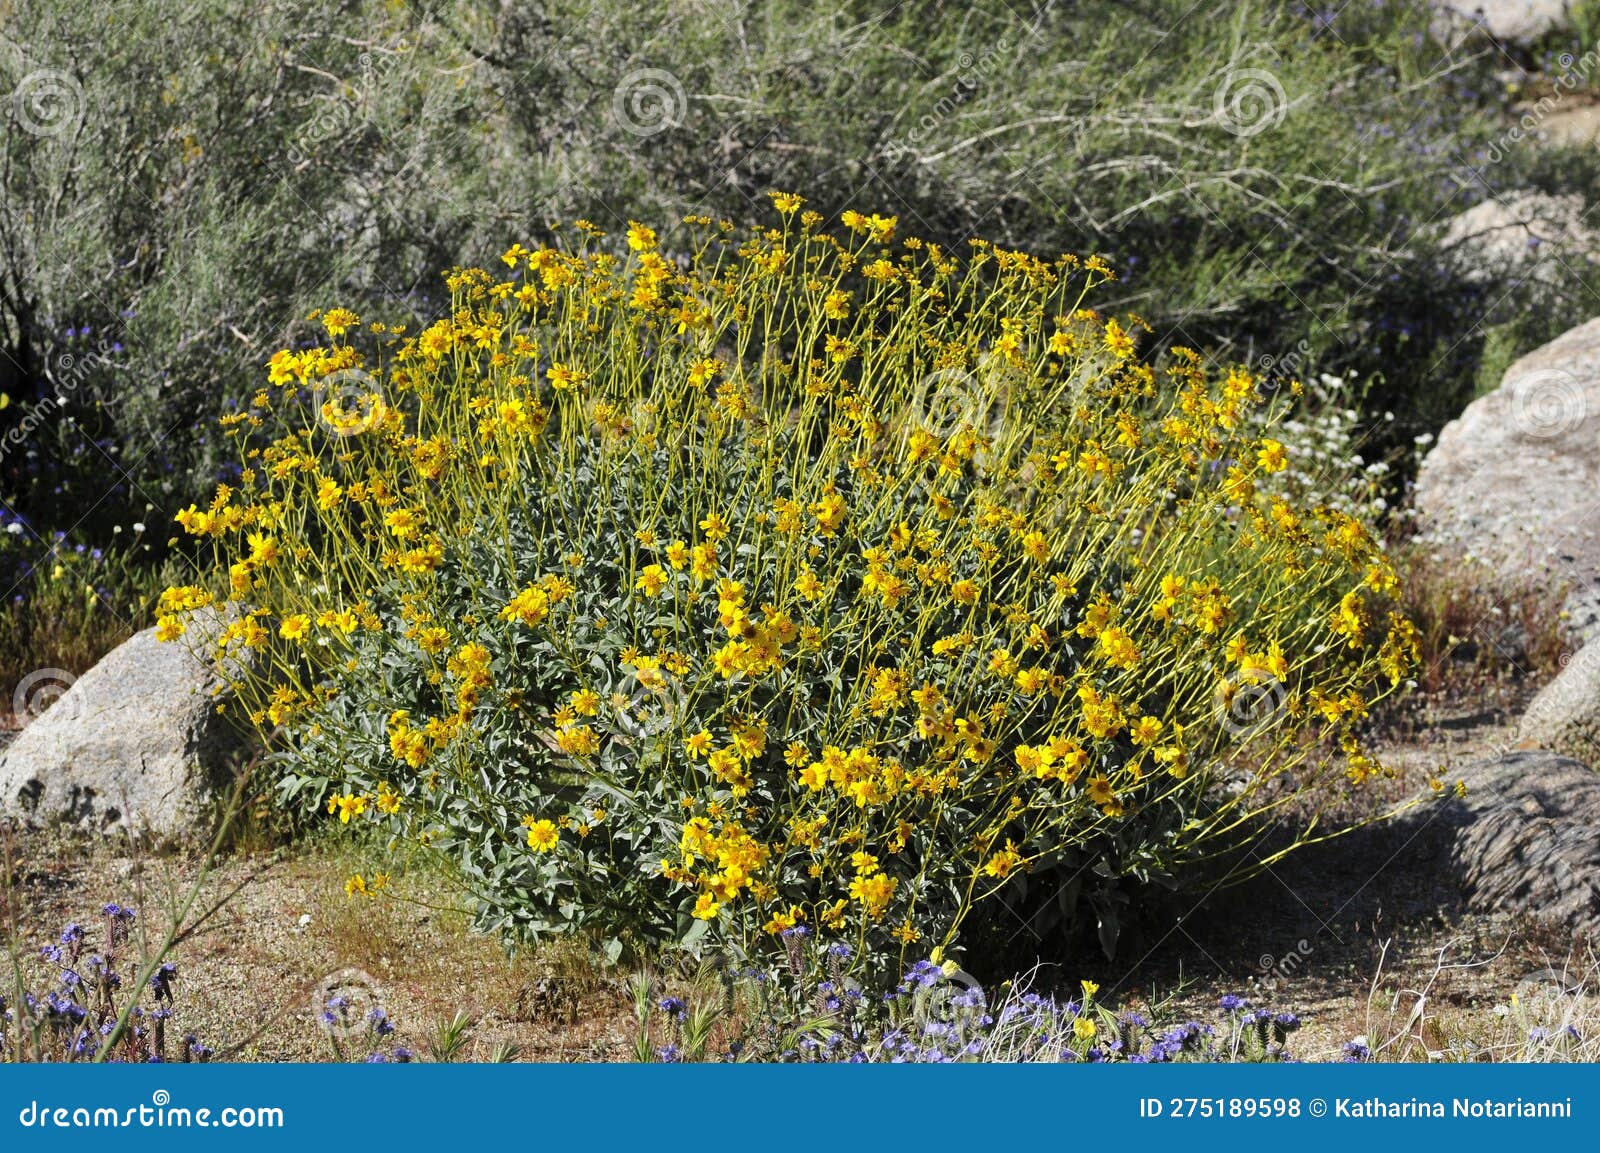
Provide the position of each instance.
(798, 579)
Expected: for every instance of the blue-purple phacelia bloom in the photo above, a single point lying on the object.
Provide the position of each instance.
(968, 998)
(161, 981)
(923, 973)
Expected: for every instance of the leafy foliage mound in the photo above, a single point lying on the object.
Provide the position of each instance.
(798, 578)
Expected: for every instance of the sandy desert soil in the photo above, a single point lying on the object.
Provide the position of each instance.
(1347, 934)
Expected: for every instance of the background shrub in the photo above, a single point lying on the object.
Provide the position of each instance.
(65, 605)
(1267, 179)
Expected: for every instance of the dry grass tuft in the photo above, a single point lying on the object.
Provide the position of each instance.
(1551, 1014)
(1476, 631)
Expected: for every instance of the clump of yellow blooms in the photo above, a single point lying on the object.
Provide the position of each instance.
(797, 577)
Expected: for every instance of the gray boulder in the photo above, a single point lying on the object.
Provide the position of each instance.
(1526, 838)
(1565, 716)
(1518, 21)
(136, 741)
(1513, 485)
(1575, 127)
(1527, 235)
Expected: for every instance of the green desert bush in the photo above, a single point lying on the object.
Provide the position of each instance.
(829, 579)
(183, 186)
